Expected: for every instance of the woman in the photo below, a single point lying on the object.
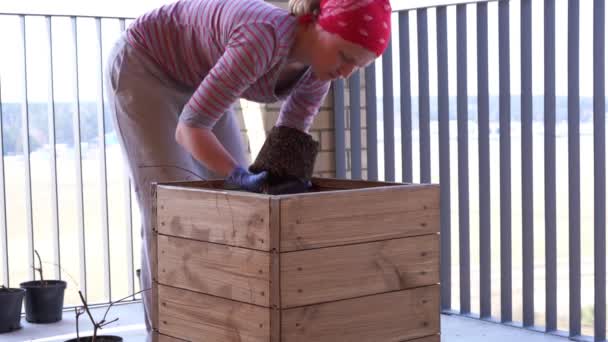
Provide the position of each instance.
(175, 73)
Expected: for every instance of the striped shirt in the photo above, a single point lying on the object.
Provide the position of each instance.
(226, 50)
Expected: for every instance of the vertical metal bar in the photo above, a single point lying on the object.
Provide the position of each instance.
(4, 236)
(103, 177)
(406, 97)
(550, 156)
(527, 164)
(483, 105)
(78, 159)
(25, 128)
(53, 159)
(444, 157)
(354, 84)
(338, 87)
(424, 101)
(505, 161)
(389, 114)
(128, 215)
(463, 159)
(599, 144)
(574, 186)
(372, 122)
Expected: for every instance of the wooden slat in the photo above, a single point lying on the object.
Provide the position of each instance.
(199, 317)
(154, 262)
(339, 218)
(358, 270)
(232, 218)
(393, 316)
(166, 338)
(217, 184)
(344, 184)
(224, 271)
(275, 270)
(434, 338)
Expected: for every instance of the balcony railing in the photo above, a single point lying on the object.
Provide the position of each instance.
(487, 101)
(65, 191)
(485, 98)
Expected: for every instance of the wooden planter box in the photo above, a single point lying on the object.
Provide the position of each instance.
(356, 261)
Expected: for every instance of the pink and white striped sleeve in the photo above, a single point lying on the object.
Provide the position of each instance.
(301, 107)
(247, 57)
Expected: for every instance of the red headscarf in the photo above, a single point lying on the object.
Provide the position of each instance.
(363, 22)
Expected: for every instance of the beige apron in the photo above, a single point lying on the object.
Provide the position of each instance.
(146, 104)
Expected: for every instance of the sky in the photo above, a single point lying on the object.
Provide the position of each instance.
(11, 68)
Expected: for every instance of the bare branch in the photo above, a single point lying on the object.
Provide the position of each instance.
(86, 308)
(120, 300)
(38, 269)
(79, 312)
(103, 324)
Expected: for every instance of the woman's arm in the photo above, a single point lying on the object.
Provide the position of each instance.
(206, 148)
(300, 108)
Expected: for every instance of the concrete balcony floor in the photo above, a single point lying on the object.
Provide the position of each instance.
(130, 326)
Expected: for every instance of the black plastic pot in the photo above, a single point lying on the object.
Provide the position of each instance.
(44, 300)
(11, 301)
(100, 338)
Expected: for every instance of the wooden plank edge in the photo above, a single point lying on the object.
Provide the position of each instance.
(154, 264)
(275, 270)
(186, 186)
(396, 237)
(158, 337)
(430, 338)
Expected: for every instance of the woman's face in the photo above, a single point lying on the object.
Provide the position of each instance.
(333, 57)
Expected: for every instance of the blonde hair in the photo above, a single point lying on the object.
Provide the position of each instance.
(302, 7)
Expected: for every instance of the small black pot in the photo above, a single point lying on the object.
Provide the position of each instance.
(44, 300)
(11, 301)
(100, 338)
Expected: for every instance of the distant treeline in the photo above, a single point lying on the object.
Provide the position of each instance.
(64, 118)
(12, 129)
(561, 108)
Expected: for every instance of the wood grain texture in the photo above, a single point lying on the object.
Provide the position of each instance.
(224, 271)
(166, 338)
(199, 317)
(275, 270)
(345, 184)
(433, 338)
(231, 218)
(329, 274)
(393, 316)
(352, 216)
(217, 184)
(154, 256)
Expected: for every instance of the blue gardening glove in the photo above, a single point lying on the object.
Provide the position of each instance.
(241, 179)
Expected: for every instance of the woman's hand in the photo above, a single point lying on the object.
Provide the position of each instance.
(242, 179)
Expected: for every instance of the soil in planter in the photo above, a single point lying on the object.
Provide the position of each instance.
(101, 338)
(11, 301)
(44, 300)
